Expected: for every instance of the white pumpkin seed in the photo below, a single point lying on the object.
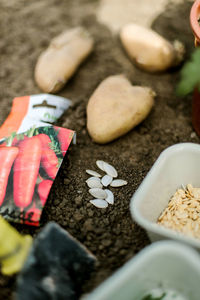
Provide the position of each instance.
(110, 196)
(106, 180)
(100, 164)
(93, 173)
(110, 170)
(99, 203)
(118, 182)
(98, 193)
(94, 182)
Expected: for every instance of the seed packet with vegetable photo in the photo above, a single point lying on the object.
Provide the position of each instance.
(31, 152)
(29, 164)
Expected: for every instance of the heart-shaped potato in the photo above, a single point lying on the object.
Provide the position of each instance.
(116, 107)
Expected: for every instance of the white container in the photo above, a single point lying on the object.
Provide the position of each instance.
(166, 264)
(177, 165)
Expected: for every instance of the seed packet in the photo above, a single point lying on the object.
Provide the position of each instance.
(34, 110)
(30, 159)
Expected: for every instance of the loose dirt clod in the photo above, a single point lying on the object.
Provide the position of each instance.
(182, 212)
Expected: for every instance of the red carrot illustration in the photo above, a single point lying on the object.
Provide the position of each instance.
(49, 159)
(13, 139)
(63, 140)
(43, 190)
(3, 144)
(7, 157)
(26, 169)
(19, 137)
(32, 216)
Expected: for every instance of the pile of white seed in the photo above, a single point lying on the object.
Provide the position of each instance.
(103, 197)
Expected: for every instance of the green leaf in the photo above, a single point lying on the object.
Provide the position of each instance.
(10, 139)
(150, 297)
(190, 75)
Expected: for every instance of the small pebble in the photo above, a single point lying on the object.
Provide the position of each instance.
(66, 181)
(78, 217)
(90, 213)
(118, 183)
(93, 173)
(98, 193)
(193, 135)
(110, 196)
(106, 243)
(106, 180)
(99, 203)
(78, 200)
(94, 182)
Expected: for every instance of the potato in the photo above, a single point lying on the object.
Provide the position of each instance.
(116, 107)
(149, 50)
(61, 59)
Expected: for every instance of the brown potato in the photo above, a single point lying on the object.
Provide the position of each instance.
(62, 58)
(149, 50)
(116, 107)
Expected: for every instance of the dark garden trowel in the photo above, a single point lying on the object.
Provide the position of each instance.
(54, 267)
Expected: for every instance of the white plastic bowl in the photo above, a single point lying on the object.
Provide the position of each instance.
(177, 165)
(166, 264)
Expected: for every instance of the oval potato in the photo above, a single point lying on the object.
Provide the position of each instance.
(149, 50)
(62, 58)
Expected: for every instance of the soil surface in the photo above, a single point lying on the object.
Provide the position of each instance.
(110, 233)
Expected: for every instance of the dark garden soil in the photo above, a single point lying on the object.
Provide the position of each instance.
(26, 27)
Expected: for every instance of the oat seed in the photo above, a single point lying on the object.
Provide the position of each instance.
(183, 212)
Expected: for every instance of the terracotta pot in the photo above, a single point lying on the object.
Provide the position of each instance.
(195, 25)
